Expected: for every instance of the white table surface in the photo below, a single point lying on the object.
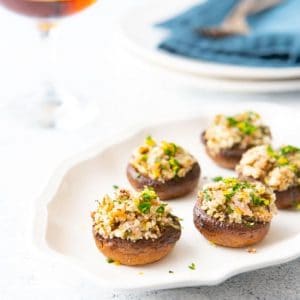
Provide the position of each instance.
(127, 90)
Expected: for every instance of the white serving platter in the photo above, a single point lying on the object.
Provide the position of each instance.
(141, 37)
(62, 225)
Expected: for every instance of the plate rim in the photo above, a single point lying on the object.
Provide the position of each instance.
(39, 224)
(193, 66)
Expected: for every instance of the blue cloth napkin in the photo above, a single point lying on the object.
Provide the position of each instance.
(274, 40)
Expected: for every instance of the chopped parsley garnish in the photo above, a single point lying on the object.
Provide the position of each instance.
(229, 194)
(282, 156)
(109, 260)
(175, 166)
(147, 195)
(294, 168)
(282, 161)
(150, 141)
(245, 127)
(234, 185)
(271, 152)
(192, 266)
(161, 208)
(256, 200)
(144, 207)
(232, 121)
(229, 210)
(207, 196)
(144, 157)
(218, 178)
(230, 180)
(249, 223)
(288, 149)
(169, 148)
(171, 272)
(116, 187)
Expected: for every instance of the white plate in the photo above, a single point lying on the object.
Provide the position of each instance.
(142, 37)
(63, 224)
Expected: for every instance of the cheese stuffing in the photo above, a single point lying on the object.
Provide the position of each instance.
(132, 216)
(237, 201)
(162, 161)
(243, 131)
(279, 169)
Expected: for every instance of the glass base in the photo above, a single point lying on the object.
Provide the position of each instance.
(60, 109)
(54, 108)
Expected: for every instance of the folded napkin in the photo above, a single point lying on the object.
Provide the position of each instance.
(274, 40)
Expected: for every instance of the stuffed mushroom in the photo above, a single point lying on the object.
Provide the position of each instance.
(168, 168)
(234, 213)
(278, 169)
(134, 228)
(228, 137)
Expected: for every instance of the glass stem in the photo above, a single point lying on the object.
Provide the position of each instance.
(48, 64)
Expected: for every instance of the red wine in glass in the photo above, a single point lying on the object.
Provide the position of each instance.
(46, 8)
(51, 105)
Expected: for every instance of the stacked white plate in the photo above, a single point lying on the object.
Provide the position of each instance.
(142, 38)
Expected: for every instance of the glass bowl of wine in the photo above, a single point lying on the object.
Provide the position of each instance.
(50, 105)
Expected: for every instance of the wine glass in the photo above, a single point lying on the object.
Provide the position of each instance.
(51, 105)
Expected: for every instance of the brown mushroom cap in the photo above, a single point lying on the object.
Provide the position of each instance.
(289, 198)
(174, 188)
(227, 234)
(140, 252)
(227, 158)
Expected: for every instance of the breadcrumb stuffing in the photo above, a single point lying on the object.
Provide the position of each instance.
(237, 201)
(243, 130)
(161, 161)
(132, 216)
(279, 169)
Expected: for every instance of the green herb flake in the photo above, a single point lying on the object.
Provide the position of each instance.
(249, 224)
(229, 194)
(271, 152)
(230, 181)
(282, 161)
(232, 121)
(168, 152)
(115, 187)
(175, 166)
(150, 141)
(256, 200)
(144, 157)
(207, 196)
(144, 207)
(109, 260)
(229, 210)
(294, 169)
(218, 178)
(161, 209)
(171, 272)
(148, 194)
(246, 127)
(288, 150)
(192, 266)
(169, 148)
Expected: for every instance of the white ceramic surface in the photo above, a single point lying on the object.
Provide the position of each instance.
(63, 225)
(141, 37)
